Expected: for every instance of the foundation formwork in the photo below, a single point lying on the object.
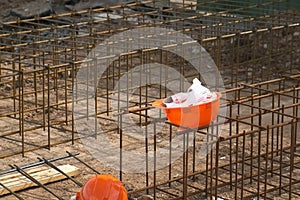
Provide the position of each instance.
(251, 151)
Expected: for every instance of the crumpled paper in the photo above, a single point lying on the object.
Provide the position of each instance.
(195, 95)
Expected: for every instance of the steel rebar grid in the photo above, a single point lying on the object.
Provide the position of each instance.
(271, 156)
(52, 164)
(53, 55)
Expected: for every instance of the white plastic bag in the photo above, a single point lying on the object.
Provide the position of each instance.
(195, 95)
(73, 197)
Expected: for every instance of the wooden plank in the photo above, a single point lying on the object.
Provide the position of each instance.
(16, 183)
(17, 174)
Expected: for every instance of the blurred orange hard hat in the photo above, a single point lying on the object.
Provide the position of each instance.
(102, 187)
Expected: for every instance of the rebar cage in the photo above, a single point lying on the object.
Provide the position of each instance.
(255, 47)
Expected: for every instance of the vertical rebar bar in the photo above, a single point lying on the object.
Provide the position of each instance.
(281, 151)
(236, 158)
(217, 154)
(154, 158)
(243, 164)
(120, 129)
(48, 106)
(259, 146)
(170, 153)
(43, 91)
(230, 145)
(267, 162)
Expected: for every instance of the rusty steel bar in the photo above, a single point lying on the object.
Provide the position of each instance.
(60, 171)
(12, 192)
(44, 60)
(35, 181)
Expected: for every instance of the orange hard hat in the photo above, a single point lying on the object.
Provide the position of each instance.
(102, 187)
(192, 116)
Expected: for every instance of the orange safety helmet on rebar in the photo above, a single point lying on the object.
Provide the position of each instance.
(191, 116)
(102, 187)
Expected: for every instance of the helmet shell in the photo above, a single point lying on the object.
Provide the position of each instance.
(102, 187)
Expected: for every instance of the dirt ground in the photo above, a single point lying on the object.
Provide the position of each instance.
(69, 188)
(8, 5)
